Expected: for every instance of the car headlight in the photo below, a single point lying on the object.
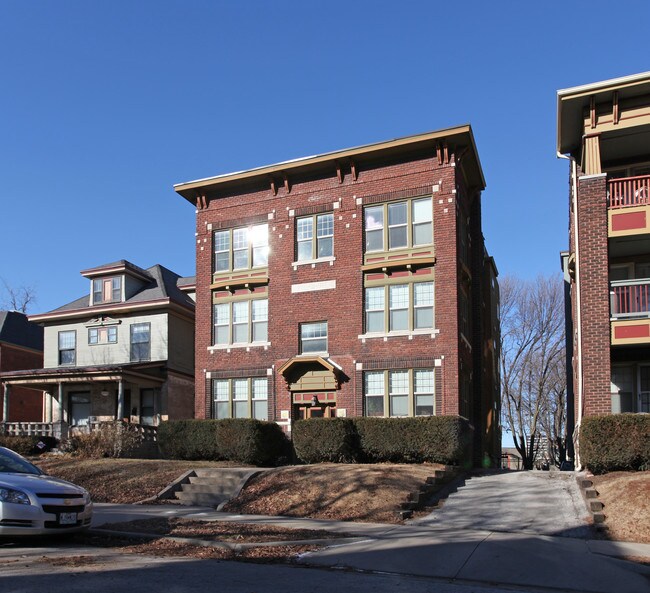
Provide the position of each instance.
(15, 496)
(87, 498)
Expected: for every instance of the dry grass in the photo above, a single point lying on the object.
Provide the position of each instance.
(626, 496)
(119, 480)
(367, 493)
(231, 532)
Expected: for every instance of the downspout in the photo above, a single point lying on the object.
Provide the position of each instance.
(578, 325)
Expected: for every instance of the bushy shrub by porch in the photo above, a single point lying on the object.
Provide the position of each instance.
(242, 440)
(615, 442)
(28, 445)
(111, 439)
(434, 439)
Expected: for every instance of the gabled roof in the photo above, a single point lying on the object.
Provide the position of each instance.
(16, 329)
(159, 285)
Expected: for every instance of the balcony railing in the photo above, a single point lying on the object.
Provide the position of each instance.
(630, 298)
(629, 191)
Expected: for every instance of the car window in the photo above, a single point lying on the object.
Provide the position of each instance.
(12, 462)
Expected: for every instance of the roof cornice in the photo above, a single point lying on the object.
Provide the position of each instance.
(118, 308)
(189, 189)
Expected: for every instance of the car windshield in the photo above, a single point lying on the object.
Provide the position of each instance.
(14, 463)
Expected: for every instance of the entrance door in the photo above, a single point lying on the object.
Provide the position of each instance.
(322, 411)
(79, 408)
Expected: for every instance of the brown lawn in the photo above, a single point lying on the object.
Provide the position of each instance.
(367, 493)
(119, 480)
(626, 496)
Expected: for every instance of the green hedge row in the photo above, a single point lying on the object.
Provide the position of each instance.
(242, 440)
(615, 442)
(435, 439)
(28, 445)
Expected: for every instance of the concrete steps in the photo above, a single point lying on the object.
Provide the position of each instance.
(212, 486)
(433, 484)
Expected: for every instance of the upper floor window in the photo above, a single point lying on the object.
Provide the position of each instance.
(313, 337)
(67, 347)
(315, 245)
(140, 342)
(241, 248)
(241, 322)
(102, 335)
(399, 225)
(410, 307)
(406, 392)
(240, 398)
(107, 290)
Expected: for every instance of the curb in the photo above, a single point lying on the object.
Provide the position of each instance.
(208, 543)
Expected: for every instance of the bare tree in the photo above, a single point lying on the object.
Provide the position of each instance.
(17, 299)
(533, 382)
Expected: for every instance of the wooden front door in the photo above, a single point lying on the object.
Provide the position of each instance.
(323, 411)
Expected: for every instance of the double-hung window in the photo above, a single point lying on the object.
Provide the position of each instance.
(410, 307)
(107, 290)
(398, 225)
(397, 393)
(313, 337)
(67, 347)
(315, 237)
(241, 322)
(241, 248)
(240, 398)
(140, 342)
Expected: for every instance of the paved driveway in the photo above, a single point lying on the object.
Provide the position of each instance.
(535, 502)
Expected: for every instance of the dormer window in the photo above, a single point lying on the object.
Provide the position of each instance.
(107, 290)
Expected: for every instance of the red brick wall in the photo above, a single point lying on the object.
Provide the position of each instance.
(594, 297)
(342, 307)
(24, 404)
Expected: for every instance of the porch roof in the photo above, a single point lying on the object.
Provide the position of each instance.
(44, 379)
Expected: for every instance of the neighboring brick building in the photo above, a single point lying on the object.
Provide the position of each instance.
(21, 347)
(604, 129)
(349, 283)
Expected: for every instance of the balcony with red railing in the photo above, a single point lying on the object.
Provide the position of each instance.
(630, 298)
(629, 206)
(630, 312)
(629, 191)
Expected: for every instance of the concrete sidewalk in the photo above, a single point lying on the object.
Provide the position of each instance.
(463, 555)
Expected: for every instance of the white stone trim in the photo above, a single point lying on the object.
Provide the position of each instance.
(313, 286)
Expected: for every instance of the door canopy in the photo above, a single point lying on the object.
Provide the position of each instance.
(311, 373)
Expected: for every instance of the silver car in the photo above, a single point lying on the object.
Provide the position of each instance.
(33, 503)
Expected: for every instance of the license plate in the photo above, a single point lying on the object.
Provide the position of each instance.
(67, 518)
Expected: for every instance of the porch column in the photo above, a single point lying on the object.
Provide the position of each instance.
(61, 408)
(49, 410)
(5, 403)
(120, 399)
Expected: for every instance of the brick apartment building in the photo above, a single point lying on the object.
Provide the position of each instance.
(604, 130)
(349, 283)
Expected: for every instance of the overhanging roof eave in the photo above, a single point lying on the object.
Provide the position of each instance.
(188, 189)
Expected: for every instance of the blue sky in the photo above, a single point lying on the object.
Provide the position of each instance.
(104, 106)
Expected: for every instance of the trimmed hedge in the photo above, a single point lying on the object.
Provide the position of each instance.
(28, 445)
(319, 440)
(436, 439)
(243, 440)
(615, 442)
